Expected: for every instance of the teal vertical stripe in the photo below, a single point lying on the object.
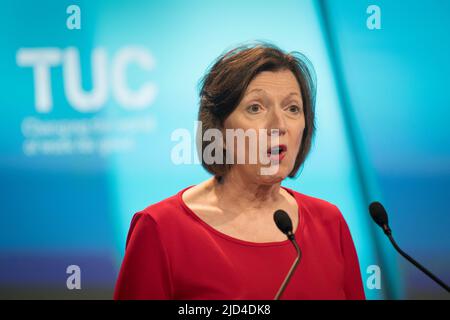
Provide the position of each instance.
(391, 284)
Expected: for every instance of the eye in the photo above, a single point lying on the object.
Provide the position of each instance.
(294, 109)
(254, 108)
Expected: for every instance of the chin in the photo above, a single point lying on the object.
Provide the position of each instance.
(277, 177)
(271, 180)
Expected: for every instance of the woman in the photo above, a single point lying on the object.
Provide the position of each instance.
(218, 239)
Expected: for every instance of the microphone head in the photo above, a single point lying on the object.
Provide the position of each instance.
(378, 214)
(283, 221)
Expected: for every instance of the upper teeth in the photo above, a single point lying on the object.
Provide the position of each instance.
(276, 150)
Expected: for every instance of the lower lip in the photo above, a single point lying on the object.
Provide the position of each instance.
(277, 157)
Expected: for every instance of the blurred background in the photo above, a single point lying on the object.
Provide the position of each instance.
(94, 96)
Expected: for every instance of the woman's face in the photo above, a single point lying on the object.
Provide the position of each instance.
(271, 101)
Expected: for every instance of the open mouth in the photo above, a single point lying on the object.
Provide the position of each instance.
(277, 152)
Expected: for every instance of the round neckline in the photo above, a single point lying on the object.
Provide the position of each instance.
(240, 241)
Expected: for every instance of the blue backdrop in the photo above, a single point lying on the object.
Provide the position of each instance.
(88, 118)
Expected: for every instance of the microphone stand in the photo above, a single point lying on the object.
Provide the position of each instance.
(293, 267)
(414, 262)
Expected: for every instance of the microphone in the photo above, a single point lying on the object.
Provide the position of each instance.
(284, 223)
(380, 217)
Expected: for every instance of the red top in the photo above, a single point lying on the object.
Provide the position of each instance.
(172, 254)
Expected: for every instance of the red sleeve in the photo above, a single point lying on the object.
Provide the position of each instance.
(353, 286)
(144, 273)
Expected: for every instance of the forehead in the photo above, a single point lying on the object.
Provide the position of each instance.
(278, 81)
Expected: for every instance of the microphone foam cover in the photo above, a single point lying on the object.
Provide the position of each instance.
(283, 221)
(378, 213)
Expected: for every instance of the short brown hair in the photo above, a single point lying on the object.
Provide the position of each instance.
(223, 87)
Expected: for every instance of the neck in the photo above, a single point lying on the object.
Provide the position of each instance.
(251, 195)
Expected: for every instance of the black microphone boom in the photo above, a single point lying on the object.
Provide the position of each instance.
(284, 223)
(380, 217)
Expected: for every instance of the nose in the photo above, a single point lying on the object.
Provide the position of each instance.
(277, 123)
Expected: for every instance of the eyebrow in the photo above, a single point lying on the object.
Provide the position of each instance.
(262, 90)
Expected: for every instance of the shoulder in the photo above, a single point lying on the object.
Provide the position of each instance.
(163, 211)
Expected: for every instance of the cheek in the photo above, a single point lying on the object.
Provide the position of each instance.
(297, 132)
(297, 141)
(300, 136)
